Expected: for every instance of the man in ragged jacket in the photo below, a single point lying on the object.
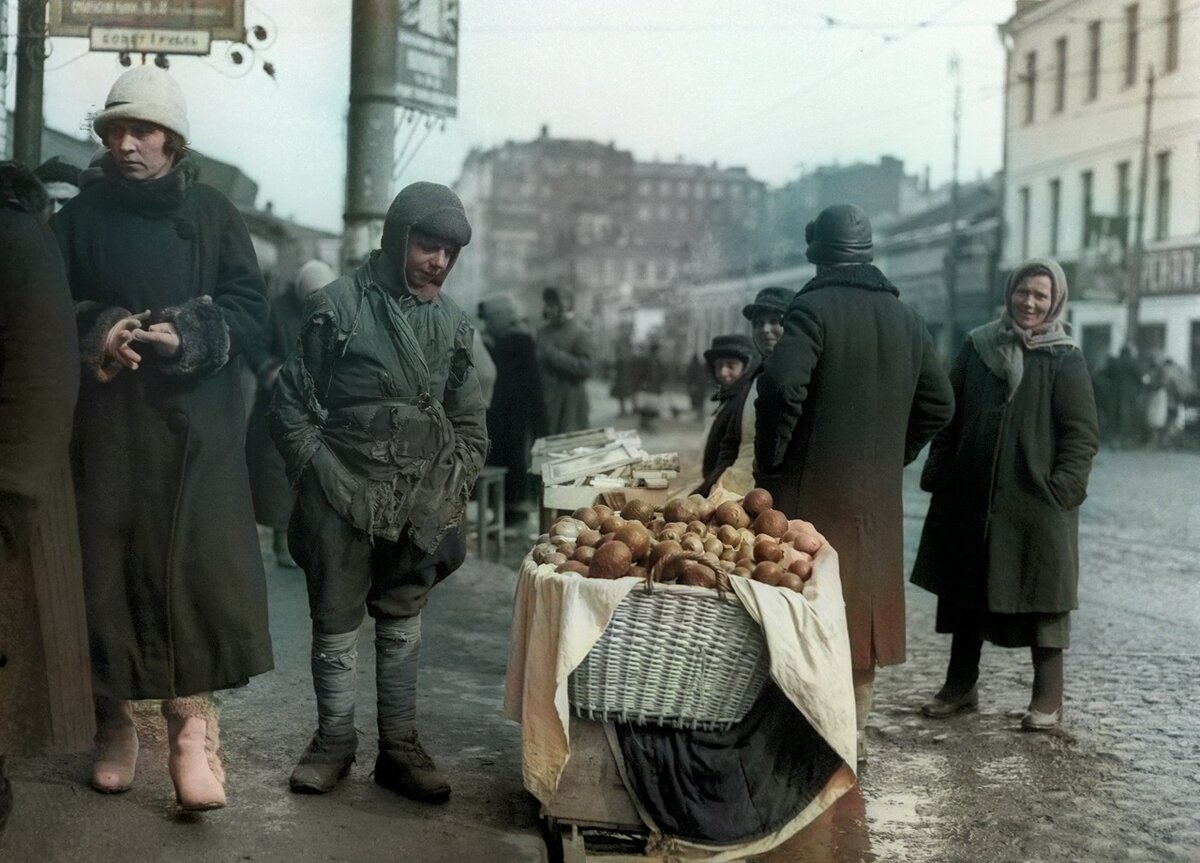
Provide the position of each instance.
(380, 419)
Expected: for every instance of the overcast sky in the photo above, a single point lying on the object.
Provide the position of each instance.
(768, 84)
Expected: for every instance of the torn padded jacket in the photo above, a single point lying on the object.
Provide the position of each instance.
(382, 402)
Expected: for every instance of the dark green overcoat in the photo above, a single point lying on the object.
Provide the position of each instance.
(851, 393)
(173, 578)
(1007, 479)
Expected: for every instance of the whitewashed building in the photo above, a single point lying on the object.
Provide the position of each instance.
(1076, 94)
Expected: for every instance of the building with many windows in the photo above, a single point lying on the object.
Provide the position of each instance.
(1077, 88)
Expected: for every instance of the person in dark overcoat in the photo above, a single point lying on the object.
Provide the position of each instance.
(1000, 542)
(851, 394)
(168, 296)
(381, 421)
(270, 490)
(516, 416)
(564, 352)
(45, 683)
(728, 361)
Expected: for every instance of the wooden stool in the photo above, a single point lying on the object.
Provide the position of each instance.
(489, 491)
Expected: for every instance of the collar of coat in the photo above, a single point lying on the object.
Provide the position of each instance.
(386, 275)
(864, 276)
(159, 196)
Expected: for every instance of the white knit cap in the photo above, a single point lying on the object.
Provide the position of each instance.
(145, 93)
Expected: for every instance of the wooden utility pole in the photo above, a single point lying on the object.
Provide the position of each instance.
(1139, 243)
(370, 133)
(31, 57)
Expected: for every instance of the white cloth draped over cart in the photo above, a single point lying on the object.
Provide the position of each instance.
(557, 618)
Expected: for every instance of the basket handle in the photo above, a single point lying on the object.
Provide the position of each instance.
(723, 584)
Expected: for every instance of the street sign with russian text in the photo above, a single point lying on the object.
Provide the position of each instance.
(223, 19)
(427, 56)
(150, 41)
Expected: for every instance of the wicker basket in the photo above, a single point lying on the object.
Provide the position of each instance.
(684, 657)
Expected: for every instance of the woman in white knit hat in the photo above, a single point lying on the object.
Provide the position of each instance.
(168, 296)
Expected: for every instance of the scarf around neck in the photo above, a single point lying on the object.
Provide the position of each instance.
(1002, 344)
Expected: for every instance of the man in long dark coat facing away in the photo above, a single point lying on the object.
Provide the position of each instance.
(850, 395)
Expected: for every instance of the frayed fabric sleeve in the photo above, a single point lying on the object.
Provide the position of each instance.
(297, 412)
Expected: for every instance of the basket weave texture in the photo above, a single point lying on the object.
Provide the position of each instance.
(680, 657)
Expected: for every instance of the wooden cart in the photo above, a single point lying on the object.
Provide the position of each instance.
(592, 817)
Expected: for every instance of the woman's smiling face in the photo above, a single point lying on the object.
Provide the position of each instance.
(1031, 301)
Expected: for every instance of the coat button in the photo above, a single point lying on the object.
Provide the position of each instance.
(177, 421)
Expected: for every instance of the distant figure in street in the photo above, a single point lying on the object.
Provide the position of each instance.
(1126, 398)
(851, 394)
(45, 686)
(624, 383)
(650, 381)
(1157, 403)
(517, 414)
(699, 377)
(564, 352)
(1000, 542)
(272, 493)
(380, 419)
(168, 297)
(728, 362)
(734, 467)
(61, 180)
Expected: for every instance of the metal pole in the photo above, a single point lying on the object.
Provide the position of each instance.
(31, 55)
(370, 133)
(1135, 271)
(952, 252)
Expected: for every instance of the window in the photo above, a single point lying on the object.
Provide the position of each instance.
(1151, 339)
(1030, 84)
(1097, 345)
(1131, 44)
(1162, 204)
(1085, 181)
(1172, 58)
(1025, 221)
(1060, 74)
(1055, 208)
(1093, 82)
(1194, 353)
(1124, 190)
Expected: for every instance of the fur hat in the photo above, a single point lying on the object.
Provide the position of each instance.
(145, 93)
(839, 235)
(772, 299)
(734, 346)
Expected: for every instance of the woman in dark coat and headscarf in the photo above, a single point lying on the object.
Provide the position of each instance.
(168, 296)
(1000, 543)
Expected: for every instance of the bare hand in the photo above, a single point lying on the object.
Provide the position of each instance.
(810, 540)
(164, 337)
(118, 354)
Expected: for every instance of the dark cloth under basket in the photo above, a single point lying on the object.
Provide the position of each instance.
(684, 657)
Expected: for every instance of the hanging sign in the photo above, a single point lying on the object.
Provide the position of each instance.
(427, 56)
(219, 19)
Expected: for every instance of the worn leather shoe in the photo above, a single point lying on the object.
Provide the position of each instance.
(939, 708)
(321, 766)
(405, 767)
(1035, 720)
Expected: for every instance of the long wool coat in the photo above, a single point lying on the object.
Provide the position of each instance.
(517, 414)
(45, 680)
(565, 358)
(851, 393)
(1007, 479)
(725, 435)
(176, 594)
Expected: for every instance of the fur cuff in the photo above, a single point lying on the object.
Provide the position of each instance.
(201, 706)
(203, 336)
(94, 321)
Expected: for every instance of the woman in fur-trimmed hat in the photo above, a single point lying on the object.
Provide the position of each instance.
(168, 296)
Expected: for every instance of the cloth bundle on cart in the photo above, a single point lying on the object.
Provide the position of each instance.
(703, 794)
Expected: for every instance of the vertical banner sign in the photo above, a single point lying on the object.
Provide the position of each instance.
(161, 26)
(427, 59)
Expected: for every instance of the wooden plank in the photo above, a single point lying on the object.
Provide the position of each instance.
(590, 791)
